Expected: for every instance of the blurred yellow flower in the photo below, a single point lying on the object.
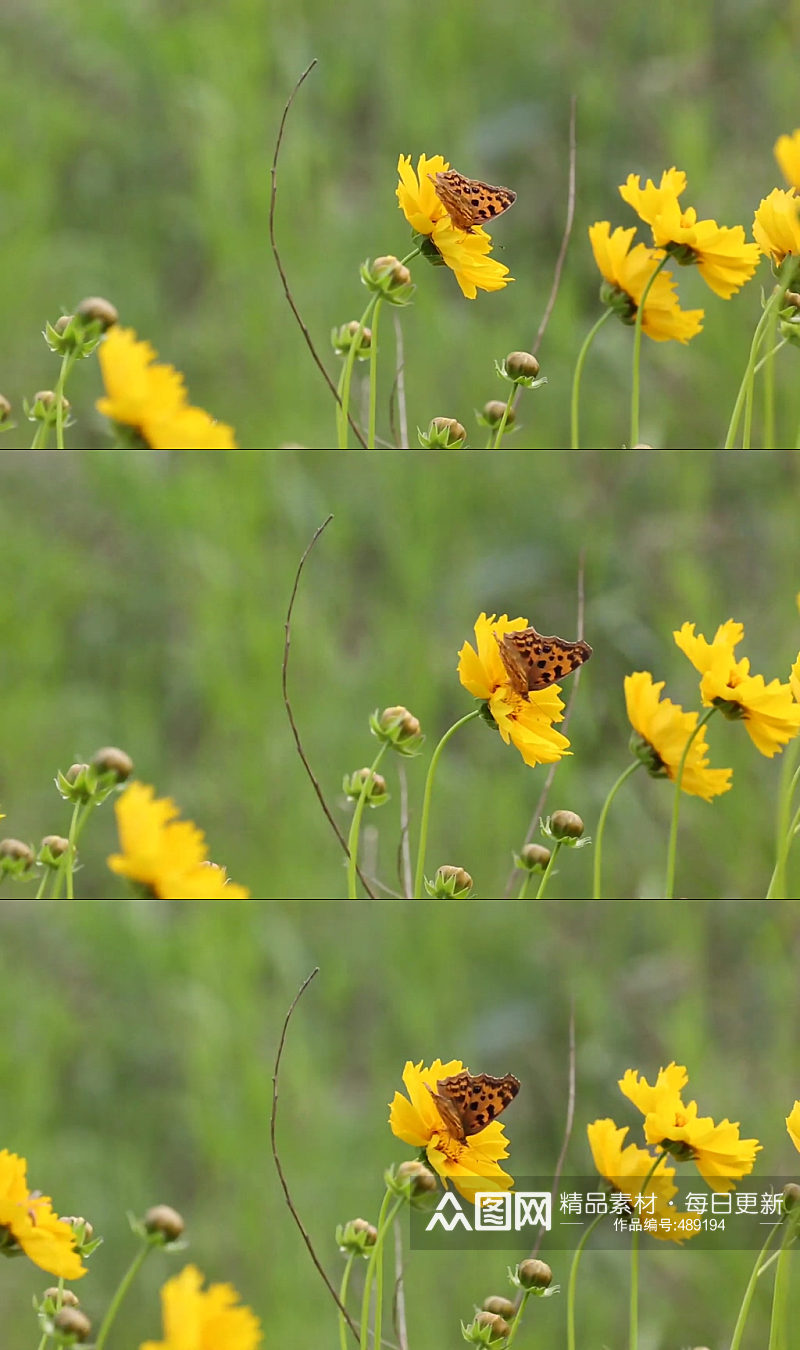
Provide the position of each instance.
(523, 722)
(627, 271)
(27, 1221)
(787, 153)
(164, 854)
(632, 1171)
(198, 1319)
(471, 1163)
(776, 227)
(466, 254)
(793, 1125)
(720, 1156)
(769, 711)
(665, 728)
(151, 398)
(794, 679)
(723, 257)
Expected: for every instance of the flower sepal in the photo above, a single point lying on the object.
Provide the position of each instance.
(17, 861)
(412, 1181)
(486, 1328)
(343, 337)
(428, 249)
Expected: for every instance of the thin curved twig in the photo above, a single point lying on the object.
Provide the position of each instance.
(562, 252)
(287, 705)
(273, 242)
(513, 875)
(272, 1124)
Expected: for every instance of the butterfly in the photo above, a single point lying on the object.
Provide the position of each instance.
(469, 1102)
(534, 662)
(469, 202)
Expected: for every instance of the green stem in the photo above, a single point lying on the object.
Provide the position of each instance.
(790, 774)
(522, 893)
(355, 825)
(597, 892)
(67, 362)
(375, 1264)
(426, 800)
(780, 1298)
(576, 379)
(637, 347)
(350, 361)
(122, 1289)
(343, 1342)
(774, 303)
(549, 868)
(633, 1312)
(672, 852)
(526, 1293)
(80, 814)
(573, 1279)
(747, 1298)
(501, 426)
(783, 342)
(769, 386)
(373, 375)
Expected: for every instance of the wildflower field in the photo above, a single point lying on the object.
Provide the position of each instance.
(141, 174)
(173, 1018)
(146, 611)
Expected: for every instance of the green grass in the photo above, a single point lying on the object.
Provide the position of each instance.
(136, 165)
(137, 1060)
(144, 605)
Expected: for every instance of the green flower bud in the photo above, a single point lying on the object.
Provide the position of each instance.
(493, 413)
(16, 859)
(450, 883)
(165, 1222)
(356, 1236)
(534, 1274)
(376, 793)
(95, 309)
(64, 1297)
(521, 366)
(503, 1307)
(52, 849)
(390, 278)
(444, 433)
(791, 1196)
(345, 335)
(5, 413)
(566, 825)
(73, 1323)
(111, 760)
(399, 728)
(493, 1327)
(534, 858)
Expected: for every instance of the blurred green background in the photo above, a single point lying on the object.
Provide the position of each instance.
(135, 164)
(143, 604)
(138, 1052)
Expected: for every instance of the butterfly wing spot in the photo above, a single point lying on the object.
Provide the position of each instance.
(534, 662)
(468, 1103)
(469, 201)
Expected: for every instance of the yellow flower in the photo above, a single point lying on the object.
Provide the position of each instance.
(776, 227)
(787, 153)
(666, 728)
(627, 271)
(769, 711)
(524, 722)
(725, 261)
(720, 1156)
(466, 254)
(793, 1125)
(197, 1319)
(166, 855)
(151, 398)
(649, 201)
(27, 1221)
(470, 1164)
(632, 1171)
